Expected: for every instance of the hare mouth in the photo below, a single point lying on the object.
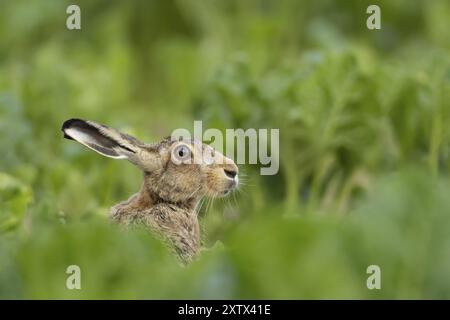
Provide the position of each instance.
(233, 184)
(226, 192)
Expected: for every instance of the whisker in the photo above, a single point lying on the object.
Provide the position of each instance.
(208, 205)
(235, 200)
(199, 205)
(195, 191)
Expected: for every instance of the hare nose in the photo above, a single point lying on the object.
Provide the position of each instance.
(230, 172)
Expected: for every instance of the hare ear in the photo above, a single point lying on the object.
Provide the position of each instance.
(100, 138)
(111, 143)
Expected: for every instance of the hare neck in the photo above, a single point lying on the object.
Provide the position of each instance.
(147, 198)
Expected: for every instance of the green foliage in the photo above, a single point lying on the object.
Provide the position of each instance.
(14, 200)
(364, 145)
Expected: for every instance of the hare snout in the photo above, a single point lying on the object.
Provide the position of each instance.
(221, 178)
(232, 184)
(230, 172)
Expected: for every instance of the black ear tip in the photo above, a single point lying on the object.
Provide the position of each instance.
(71, 123)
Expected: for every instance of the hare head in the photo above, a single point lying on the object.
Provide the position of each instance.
(175, 170)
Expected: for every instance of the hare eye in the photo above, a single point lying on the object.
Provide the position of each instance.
(182, 153)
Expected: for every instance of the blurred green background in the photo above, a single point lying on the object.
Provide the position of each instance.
(364, 146)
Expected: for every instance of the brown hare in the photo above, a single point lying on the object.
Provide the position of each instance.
(177, 174)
